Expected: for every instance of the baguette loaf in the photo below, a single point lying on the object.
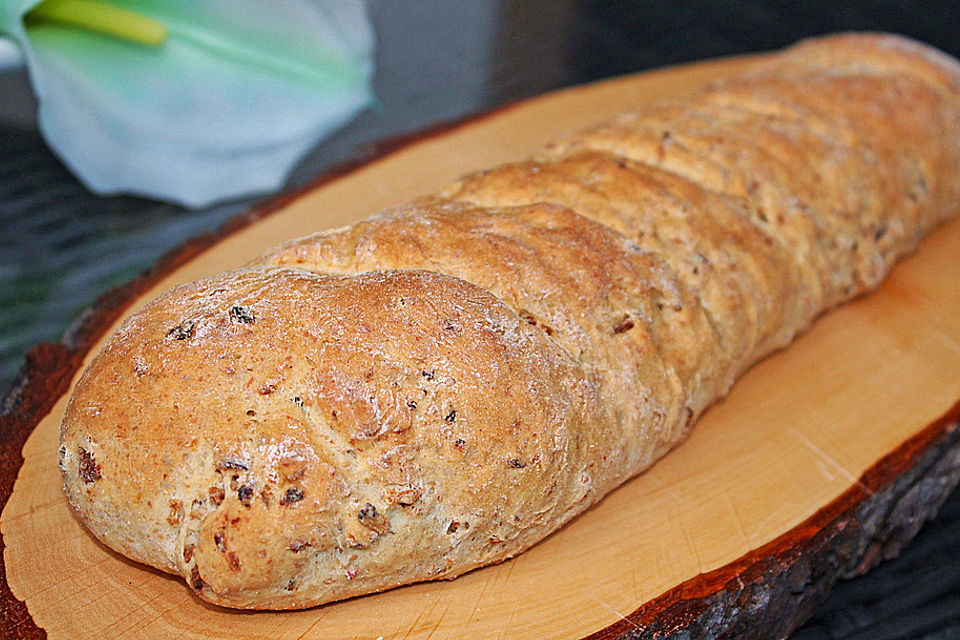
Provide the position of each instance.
(440, 386)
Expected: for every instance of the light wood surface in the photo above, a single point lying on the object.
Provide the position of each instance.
(796, 432)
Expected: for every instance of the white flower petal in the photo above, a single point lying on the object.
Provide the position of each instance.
(224, 108)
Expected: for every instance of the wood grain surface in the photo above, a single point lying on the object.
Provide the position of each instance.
(824, 458)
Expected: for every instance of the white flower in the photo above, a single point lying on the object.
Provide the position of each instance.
(191, 101)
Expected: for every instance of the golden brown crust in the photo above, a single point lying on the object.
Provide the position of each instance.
(440, 386)
(294, 440)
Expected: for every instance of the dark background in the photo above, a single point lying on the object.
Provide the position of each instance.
(61, 247)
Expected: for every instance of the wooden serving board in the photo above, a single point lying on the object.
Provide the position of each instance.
(824, 459)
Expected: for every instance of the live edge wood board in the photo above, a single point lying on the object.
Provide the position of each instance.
(825, 458)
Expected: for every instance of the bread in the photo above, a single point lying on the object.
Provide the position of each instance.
(442, 385)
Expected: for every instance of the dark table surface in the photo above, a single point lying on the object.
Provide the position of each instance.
(61, 246)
